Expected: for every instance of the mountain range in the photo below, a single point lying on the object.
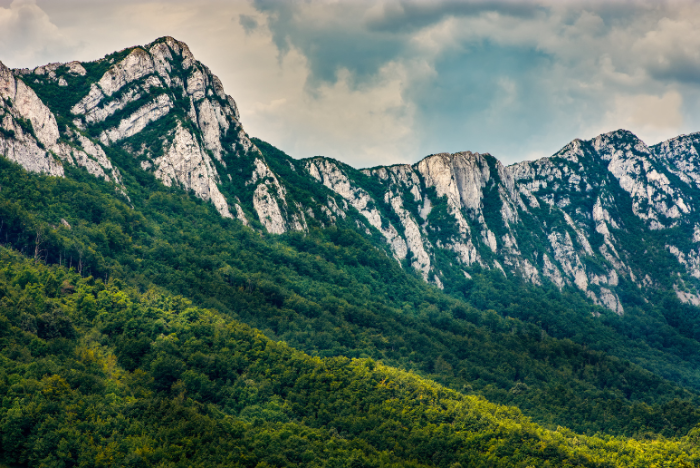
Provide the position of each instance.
(173, 289)
(609, 216)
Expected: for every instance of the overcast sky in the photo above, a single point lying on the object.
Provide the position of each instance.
(392, 81)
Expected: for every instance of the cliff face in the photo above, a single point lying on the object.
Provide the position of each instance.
(156, 103)
(610, 216)
(602, 216)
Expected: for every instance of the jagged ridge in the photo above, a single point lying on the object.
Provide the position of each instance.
(593, 216)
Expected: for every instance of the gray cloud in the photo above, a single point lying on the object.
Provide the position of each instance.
(513, 78)
(248, 23)
(394, 80)
(410, 16)
(331, 37)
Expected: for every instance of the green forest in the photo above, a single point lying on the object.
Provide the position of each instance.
(330, 293)
(95, 374)
(124, 342)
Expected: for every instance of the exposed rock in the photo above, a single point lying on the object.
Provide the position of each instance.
(90, 101)
(414, 240)
(332, 177)
(529, 272)
(97, 154)
(263, 176)
(680, 156)
(136, 65)
(24, 150)
(268, 210)
(213, 123)
(565, 218)
(76, 68)
(185, 164)
(611, 301)
(631, 162)
(137, 121)
(240, 214)
(459, 177)
(29, 106)
(567, 257)
(687, 297)
(551, 271)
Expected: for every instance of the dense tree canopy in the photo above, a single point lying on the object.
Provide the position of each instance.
(101, 375)
(330, 293)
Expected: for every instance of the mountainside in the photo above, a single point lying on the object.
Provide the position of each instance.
(131, 199)
(596, 214)
(204, 390)
(611, 217)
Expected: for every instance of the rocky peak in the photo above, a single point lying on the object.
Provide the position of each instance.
(160, 105)
(571, 219)
(681, 155)
(28, 105)
(561, 219)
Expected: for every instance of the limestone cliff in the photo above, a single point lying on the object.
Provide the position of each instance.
(156, 103)
(610, 217)
(575, 219)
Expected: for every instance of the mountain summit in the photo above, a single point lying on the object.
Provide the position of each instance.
(609, 217)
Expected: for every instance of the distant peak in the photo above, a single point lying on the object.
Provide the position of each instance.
(617, 134)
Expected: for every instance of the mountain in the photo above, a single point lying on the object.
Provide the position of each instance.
(611, 217)
(563, 286)
(596, 214)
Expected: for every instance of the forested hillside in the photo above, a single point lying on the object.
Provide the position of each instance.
(610, 217)
(98, 375)
(330, 293)
(173, 292)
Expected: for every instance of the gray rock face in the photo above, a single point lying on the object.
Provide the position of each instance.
(568, 219)
(584, 218)
(267, 197)
(28, 105)
(136, 122)
(186, 165)
(332, 177)
(136, 65)
(36, 147)
(142, 90)
(681, 158)
(28, 126)
(632, 164)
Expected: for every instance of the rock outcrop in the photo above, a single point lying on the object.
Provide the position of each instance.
(157, 103)
(588, 218)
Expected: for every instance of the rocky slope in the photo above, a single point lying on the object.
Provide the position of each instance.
(596, 214)
(610, 217)
(159, 105)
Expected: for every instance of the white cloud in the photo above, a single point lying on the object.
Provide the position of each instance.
(383, 82)
(365, 126)
(652, 118)
(27, 35)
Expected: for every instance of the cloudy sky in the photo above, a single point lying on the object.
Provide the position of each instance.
(383, 82)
